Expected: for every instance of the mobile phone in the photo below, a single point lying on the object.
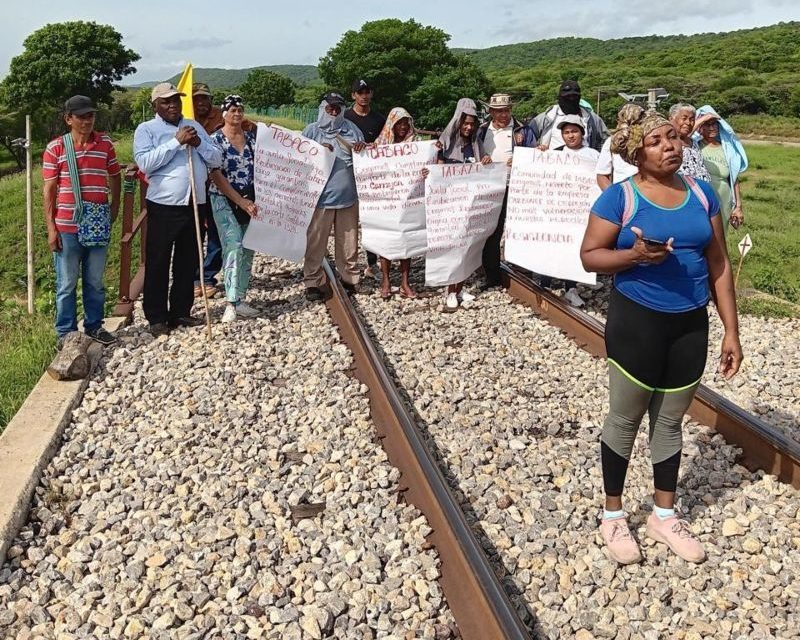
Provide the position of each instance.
(654, 243)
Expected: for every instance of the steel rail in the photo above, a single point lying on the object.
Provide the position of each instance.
(480, 605)
(763, 446)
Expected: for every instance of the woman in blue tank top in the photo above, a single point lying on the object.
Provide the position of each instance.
(661, 236)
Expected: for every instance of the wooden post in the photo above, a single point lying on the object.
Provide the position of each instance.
(29, 210)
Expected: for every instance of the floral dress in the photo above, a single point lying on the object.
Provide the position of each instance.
(693, 164)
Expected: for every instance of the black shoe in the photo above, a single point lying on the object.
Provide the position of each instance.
(351, 288)
(489, 284)
(102, 336)
(186, 321)
(314, 294)
(159, 329)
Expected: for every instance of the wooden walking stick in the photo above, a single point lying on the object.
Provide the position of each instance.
(744, 246)
(199, 241)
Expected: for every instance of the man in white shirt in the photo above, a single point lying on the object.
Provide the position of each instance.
(500, 134)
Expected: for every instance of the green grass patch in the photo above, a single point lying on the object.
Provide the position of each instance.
(287, 123)
(782, 127)
(27, 345)
(771, 201)
(765, 307)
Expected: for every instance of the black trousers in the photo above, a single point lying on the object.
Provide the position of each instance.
(170, 239)
(491, 250)
(372, 259)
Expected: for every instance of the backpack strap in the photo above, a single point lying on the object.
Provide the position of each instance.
(630, 202)
(698, 191)
(74, 177)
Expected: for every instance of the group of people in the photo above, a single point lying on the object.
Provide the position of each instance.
(669, 185)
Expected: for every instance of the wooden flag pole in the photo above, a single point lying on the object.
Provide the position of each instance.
(29, 212)
(199, 241)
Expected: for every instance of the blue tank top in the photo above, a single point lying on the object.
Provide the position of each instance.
(680, 283)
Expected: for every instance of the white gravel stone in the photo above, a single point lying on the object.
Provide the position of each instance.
(166, 512)
(485, 378)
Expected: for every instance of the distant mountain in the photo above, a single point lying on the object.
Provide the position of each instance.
(301, 74)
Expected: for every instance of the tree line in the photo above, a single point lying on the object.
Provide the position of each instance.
(753, 71)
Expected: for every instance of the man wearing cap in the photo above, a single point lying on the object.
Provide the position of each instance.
(338, 204)
(370, 122)
(569, 98)
(500, 134)
(160, 149)
(97, 169)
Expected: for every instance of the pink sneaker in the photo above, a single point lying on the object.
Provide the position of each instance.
(677, 535)
(619, 541)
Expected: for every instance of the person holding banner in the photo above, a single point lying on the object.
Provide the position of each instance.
(661, 235)
(500, 134)
(338, 204)
(461, 144)
(159, 149)
(232, 193)
(399, 127)
(569, 103)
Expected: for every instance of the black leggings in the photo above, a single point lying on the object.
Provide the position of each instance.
(655, 360)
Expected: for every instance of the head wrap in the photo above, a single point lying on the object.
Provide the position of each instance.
(628, 138)
(451, 136)
(331, 126)
(569, 97)
(630, 113)
(386, 136)
(231, 100)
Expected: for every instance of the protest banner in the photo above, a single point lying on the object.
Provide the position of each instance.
(462, 207)
(391, 198)
(549, 199)
(290, 173)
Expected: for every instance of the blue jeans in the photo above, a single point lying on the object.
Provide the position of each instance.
(89, 263)
(213, 260)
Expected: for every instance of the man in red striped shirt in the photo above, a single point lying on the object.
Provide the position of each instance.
(97, 170)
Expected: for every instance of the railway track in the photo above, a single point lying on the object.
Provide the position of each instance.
(763, 446)
(475, 595)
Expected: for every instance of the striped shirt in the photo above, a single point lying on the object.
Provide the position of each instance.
(96, 162)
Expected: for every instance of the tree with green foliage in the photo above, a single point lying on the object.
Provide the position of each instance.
(433, 101)
(397, 58)
(264, 89)
(68, 58)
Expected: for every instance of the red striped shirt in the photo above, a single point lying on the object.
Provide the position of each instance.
(97, 160)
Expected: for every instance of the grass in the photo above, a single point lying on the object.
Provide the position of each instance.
(763, 126)
(771, 202)
(286, 123)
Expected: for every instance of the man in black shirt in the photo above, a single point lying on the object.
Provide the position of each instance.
(370, 122)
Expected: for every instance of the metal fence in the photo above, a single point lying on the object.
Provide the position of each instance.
(306, 115)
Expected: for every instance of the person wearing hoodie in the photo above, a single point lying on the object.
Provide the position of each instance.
(500, 134)
(569, 98)
(338, 204)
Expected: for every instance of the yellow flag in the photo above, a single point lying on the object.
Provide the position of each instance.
(185, 86)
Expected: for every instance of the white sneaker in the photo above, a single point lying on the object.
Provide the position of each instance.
(452, 301)
(465, 296)
(574, 298)
(230, 314)
(244, 310)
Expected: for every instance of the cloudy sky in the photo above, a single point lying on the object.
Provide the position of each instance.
(212, 33)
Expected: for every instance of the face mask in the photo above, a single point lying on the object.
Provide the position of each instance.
(327, 121)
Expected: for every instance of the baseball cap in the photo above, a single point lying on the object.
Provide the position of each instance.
(164, 90)
(201, 89)
(360, 85)
(570, 86)
(572, 119)
(79, 105)
(334, 98)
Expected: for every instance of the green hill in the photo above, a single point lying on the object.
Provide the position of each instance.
(301, 74)
(746, 71)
